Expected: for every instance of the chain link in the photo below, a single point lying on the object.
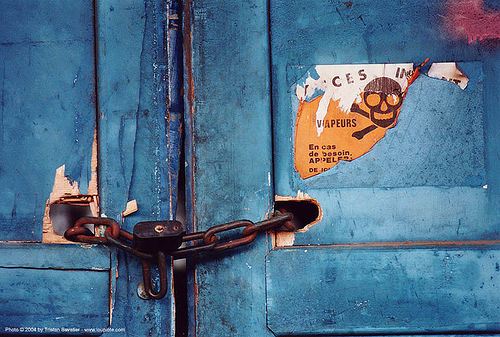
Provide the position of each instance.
(201, 242)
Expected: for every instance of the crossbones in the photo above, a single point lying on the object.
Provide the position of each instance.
(383, 97)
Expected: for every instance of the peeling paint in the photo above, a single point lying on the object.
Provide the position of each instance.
(65, 190)
(285, 239)
(130, 208)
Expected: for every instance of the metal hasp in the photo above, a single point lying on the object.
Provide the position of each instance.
(152, 240)
(156, 237)
(146, 275)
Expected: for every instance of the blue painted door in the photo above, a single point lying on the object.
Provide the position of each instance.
(406, 238)
(85, 110)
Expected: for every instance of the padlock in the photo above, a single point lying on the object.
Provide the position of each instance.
(154, 236)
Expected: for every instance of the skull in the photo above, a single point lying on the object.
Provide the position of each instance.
(383, 96)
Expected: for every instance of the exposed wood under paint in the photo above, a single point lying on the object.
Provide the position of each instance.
(285, 239)
(66, 191)
(130, 208)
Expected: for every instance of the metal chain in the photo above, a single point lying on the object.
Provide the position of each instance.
(205, 241)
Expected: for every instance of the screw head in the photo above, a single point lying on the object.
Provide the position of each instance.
(159, 228)
(141, 292)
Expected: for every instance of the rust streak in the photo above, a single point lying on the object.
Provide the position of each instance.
(188, 67)
(195, 304)
(399, 244)
(110, 298)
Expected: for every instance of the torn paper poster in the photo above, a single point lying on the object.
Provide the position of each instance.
(450, 72)
(343, 83)
(343, 110)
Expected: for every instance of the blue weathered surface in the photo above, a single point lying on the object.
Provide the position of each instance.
(134, 150)
(47, 119)
(54, 286)
(47, 106)
(49, 256)
(401, 197)
(49, 97)
(54, 299)
(437, 158)
(331, 290)
(434, 177)
(228, 158)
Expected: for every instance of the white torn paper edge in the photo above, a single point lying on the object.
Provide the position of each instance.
(448, 71)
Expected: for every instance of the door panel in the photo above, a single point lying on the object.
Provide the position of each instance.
(228, 159)
(47, 107)
(439, 157)
(28, 310)
(384, 290)
(52, 287)
(48, 123)
(378, 258)
(136, 163)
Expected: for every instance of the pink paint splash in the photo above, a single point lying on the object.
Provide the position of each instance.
(469, 18)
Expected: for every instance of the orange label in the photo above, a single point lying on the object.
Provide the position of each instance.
(344, 111)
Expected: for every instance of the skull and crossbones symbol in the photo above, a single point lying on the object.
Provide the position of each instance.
(383, 97)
